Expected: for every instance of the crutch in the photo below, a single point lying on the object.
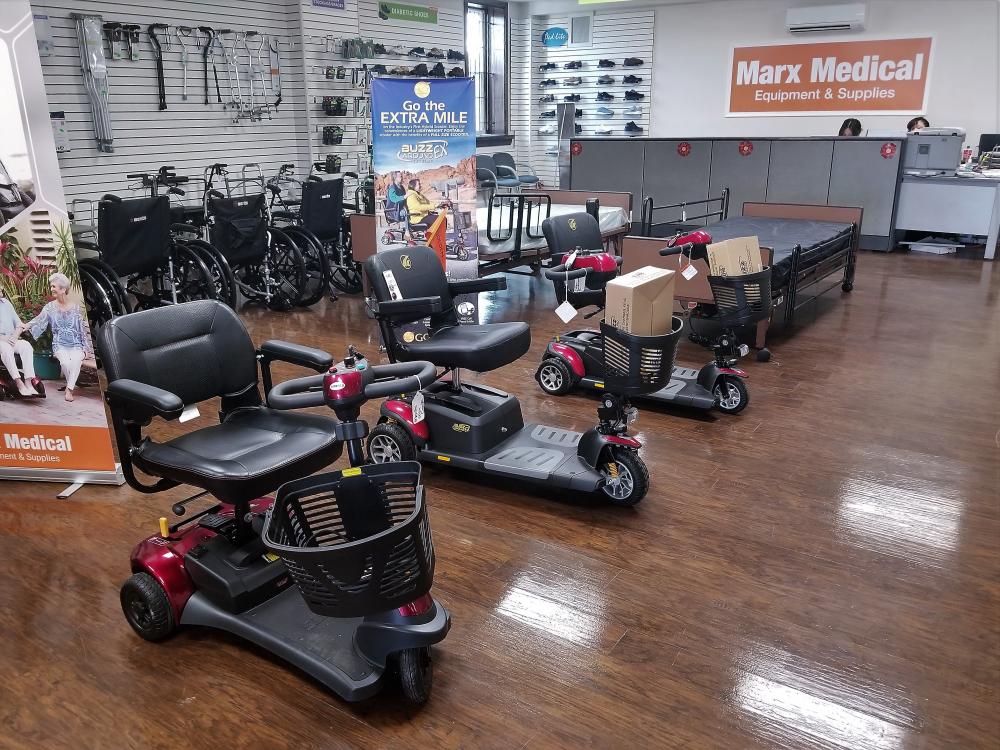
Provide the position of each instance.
(256, 68)
(95, 77)
(243, 36)
(158, 54)
(229, 53)
(183, 34)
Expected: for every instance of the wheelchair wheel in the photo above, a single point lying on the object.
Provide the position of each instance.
(285, 270)
(344, 272)
(218, 268)
(108, 279)
(191, 278)
(100, 308)
(317, 265)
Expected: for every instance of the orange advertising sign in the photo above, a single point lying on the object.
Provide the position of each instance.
(35, 446)
(873, 75)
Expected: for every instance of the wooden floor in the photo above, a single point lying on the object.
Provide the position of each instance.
(819, 572)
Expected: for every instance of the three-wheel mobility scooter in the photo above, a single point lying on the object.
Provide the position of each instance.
(577, 358)
(356, 542)
(480, 428)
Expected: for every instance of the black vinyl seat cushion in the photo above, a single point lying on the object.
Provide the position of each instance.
(250, 454)
(480, 348)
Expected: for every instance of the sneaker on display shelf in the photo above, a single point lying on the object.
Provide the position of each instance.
(632, 129)
(633, 112)
(547, 130)
(416, 52)
(573, 65)
(571, 98)
(631, 79)
(549, 82)
(546, 99)
(552, 151)
(454, 54)
(578, 128)
(606, 64)
(579, 113)
(548, 113)
(605, 81)
(574, 81)
(456, 72)
(604, 96)
(633, 62)
(436, 53)
(437, 71)
(547, 66)
(604, 112)
(603, 130)
(634, 96)
(419, 70)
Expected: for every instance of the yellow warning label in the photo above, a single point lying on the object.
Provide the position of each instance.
(352, 472)
(444, 458)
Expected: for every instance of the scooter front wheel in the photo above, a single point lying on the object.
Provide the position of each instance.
(732, 395)
(626, 476)
(416, 674)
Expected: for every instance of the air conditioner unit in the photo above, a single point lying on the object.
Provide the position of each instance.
(849, 17)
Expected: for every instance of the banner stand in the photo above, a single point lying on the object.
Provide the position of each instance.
(75, 478)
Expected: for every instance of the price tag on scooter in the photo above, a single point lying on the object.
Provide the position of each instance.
(689, 272)
(390, 281)
(417, 407)
(744, 350)
(566, 312)
(189, 413)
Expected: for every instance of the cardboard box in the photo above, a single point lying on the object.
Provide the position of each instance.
(735, 257)
(641, 302)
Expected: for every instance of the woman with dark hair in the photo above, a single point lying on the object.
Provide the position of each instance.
(851, 126)
(917, 124)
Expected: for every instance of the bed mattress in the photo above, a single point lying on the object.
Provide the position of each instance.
(610, 219)
(782, 235)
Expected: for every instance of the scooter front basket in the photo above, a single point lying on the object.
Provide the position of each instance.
(741, 300)
(636, 365)
(356, 541)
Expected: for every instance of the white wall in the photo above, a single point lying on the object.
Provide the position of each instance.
(692, 64)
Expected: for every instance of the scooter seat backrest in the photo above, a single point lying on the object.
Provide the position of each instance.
(409, 273)
(567, 232)
(134, 233)
(323, 207)
(197, 350)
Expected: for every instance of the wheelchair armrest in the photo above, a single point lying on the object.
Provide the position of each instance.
(471, 286)
(164, 403)
(296, 354)
(187, 228)
(287, 215)
(407, 307)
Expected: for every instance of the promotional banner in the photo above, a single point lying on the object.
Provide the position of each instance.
(52, 419)
(424, 154)
(877, 76)
(401, 12)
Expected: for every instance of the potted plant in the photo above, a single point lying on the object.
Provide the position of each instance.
(25, 282)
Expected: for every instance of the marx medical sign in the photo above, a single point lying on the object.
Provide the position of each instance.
(887, 75)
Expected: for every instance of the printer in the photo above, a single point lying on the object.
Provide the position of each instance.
(933, 151)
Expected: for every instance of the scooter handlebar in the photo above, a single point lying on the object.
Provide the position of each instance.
(677, 250)
(387, 380)
(559, 273)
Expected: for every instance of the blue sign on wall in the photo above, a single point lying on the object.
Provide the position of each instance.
(555, 36)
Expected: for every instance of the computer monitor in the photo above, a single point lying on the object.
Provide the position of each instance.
(988, 142)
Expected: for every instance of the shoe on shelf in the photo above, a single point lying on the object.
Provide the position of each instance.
(378, 70)
(379, 49)
(632, 129)
(606, 64)
(574, 81)
(416, 52)
(631, 79)
(604, 96)
(603, 130)
(633, 62)
(552, 152)
(548, 113)
(399, 71)
(398, 50)
(547, 66)
(419, 70)
(634, 96)
(547, 130)
(571, 98)
(454, 54)
(579, 113)
(573, 65)
(549, 82)
(437, 71)
(546, 99)
(604, 112)
(456, 72)
(436, 53)
(605, 81)
(578, 128)
(635, 111)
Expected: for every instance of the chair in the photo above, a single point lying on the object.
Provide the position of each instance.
(488, 177)
(419, 289)
(161, 361)
(579, 231)
(507, 167)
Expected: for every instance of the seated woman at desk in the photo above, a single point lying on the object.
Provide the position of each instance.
(917, 124)
(419, 208)
(850, 127)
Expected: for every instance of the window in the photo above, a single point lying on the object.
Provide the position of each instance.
(486, 56)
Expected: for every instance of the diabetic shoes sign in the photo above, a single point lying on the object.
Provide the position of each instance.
(887, 76)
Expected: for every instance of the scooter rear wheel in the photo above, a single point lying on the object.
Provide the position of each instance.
(627, 478)
(389, 442)
(147, 607)
(554, 377)
(416, 674)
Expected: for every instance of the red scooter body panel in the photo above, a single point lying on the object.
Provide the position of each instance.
(734, 371)
(629, 442)
(698, 237)
(405, 412)
(600, 262)
(573, 359)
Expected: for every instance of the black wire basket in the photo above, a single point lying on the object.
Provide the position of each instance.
(635, 365)
(741, 300)
(356, 541)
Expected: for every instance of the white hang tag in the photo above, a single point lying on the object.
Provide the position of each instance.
(189, 413)
(570, 260)
(689, 272)
(578, 285)
(566, 312)
(390, 281)
(417, 407)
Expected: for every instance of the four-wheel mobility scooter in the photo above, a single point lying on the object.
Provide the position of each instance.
(577, 358)
(480, 428)
(356, 542)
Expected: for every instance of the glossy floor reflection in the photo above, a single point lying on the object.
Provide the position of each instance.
(819, 572)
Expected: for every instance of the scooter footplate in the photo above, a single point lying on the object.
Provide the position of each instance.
(556, 436)
(530, 461)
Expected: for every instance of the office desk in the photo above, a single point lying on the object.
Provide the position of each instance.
(958, 205)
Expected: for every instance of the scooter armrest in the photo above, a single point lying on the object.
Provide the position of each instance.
(296, 354)
(471, 286)
(398, 308)
(164, 403)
